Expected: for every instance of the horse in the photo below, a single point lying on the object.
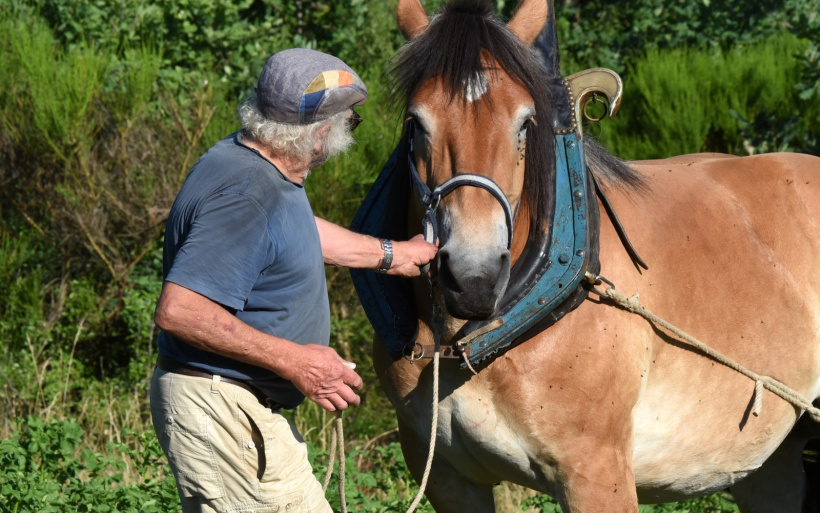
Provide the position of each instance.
(603, 409)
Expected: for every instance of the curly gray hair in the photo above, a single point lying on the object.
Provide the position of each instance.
(294, 140)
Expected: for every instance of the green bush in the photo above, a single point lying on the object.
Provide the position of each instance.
(612, 33)
(226, 39)
(687, 101)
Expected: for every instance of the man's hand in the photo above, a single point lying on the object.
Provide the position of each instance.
(324, 377)
(409, 256)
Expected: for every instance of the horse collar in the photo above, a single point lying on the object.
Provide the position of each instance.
(551, 283)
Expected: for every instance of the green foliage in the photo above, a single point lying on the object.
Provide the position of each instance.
(686, 101)
(612, 33)
(377, 480)
(45, 469)
(92, 158)
(227, 38)
(716, 503)
(805, 23)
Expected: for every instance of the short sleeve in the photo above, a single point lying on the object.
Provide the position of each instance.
(224, 252)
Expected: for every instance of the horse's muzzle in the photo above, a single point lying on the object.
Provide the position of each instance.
(472, 287)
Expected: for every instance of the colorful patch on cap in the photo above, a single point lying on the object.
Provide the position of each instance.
(316, 91)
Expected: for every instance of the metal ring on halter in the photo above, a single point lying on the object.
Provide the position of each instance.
(435, 200)
(594, 99)
(410, 352)
(594, 280)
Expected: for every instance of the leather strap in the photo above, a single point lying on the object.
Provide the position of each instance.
(175, 367)
(619, 228)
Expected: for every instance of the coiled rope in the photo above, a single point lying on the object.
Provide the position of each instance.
(776, 387)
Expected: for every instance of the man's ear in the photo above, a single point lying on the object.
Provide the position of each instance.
(319, 138)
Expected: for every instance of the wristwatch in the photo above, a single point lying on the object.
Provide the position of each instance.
(387, 259)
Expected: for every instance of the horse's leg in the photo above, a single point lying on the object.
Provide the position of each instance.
(447, 490)
(600, 479)
(779, 485)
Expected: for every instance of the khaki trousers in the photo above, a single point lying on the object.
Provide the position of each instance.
(228, 452)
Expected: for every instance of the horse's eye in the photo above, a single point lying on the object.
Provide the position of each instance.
(414, 123)
(528, 123)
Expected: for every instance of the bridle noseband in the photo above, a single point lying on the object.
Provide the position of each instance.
(430, 199)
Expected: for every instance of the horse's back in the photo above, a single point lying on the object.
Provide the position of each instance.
(746, 213)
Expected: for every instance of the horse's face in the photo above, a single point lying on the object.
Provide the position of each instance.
(470, 116)
(483, 130)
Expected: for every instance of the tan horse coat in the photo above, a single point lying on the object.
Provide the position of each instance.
(606, 401)
(604, 409)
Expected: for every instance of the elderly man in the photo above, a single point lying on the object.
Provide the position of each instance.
(244, 309)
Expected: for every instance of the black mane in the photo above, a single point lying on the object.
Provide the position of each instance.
(451, 48)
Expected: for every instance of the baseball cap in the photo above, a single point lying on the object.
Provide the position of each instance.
(301, 86)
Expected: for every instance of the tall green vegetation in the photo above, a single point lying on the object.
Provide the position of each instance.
(742, 101)
(105, 105)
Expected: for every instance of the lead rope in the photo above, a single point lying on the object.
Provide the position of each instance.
(429, 464)
(776, 387)
(337, 441)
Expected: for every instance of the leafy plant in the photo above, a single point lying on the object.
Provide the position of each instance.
(44, 469)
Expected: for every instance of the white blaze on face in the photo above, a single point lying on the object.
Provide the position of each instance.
(475, 233)
(477, 87)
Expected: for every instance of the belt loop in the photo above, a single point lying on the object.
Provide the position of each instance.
(215, 383)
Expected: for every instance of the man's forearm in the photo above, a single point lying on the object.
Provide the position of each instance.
(207, 325)
(315, 370)
(344, 248)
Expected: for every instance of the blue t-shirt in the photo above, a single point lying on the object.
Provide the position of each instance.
(243, 235)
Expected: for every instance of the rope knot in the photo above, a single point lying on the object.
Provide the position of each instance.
(758, 405)
(632, 304)
(761, 382)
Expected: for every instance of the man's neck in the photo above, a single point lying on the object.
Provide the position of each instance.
(296, 170)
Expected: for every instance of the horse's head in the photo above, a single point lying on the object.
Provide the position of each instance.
(477, 105)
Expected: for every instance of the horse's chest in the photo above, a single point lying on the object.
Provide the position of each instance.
(477, 438)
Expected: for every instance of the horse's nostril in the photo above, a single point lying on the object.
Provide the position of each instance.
(445, 272)
(505, 259)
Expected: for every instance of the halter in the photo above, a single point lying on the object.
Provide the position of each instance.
(431, 199)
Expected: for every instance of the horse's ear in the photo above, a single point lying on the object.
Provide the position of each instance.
(412, 18)
(529, 19)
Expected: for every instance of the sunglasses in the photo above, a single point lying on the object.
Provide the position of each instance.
(353, 121)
